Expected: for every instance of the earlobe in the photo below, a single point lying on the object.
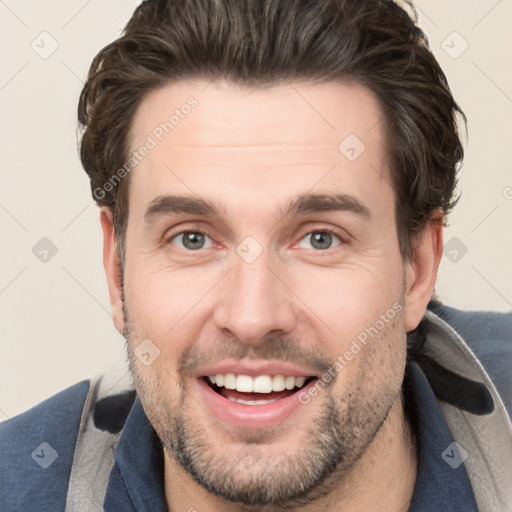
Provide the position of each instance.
(421, 272)
(112, 267)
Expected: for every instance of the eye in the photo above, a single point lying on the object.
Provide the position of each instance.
(319, 240)
(191, 240)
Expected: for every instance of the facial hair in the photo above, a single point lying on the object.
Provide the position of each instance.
(246, 472)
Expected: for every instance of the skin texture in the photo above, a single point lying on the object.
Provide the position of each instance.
(250, 152)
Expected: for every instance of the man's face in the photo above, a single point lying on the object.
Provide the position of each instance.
(283, 262)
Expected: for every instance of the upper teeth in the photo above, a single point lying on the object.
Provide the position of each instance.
(259, 384)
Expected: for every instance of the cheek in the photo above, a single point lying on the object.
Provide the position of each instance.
(160, 297)
(348, 301)
(168, 308)
(372, 362)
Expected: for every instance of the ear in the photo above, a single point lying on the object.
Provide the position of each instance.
(112, 267)
(421, 271)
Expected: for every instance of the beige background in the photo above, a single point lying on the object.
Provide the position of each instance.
(56, 327)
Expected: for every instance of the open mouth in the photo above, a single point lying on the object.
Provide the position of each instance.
(260, 390)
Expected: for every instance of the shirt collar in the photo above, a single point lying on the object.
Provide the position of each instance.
(136, 482)
(442, 484)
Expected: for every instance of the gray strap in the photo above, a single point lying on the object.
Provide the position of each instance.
(94, 451)
(486, 439)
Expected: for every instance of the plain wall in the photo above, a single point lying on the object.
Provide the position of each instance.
(56, 327)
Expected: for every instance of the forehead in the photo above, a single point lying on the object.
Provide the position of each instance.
(282, 137)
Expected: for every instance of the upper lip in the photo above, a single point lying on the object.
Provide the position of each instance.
(254, 369)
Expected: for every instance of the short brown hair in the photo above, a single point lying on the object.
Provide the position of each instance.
(255, 43)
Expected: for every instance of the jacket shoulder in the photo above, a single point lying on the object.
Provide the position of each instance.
(36, 452)
(489, 335)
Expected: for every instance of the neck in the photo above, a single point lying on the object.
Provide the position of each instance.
(382, 479)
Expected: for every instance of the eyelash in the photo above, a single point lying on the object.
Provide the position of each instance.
(330, 231)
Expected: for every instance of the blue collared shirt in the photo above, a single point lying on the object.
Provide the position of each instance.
(442, 485)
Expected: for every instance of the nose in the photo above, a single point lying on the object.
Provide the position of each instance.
(254, 301)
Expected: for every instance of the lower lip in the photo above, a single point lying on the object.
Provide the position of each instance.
(253, 416)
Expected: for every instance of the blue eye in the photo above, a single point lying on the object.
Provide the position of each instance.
(191, 240)
(320, 240)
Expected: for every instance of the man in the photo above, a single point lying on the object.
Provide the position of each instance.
(273, 178)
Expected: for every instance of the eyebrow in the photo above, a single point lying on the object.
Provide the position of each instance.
(164, 205)
(302, 204)
(312, 203)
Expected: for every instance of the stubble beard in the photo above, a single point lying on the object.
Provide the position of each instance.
(251, 474)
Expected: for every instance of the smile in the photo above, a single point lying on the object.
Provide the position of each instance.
(259, 390)
(253, 401)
